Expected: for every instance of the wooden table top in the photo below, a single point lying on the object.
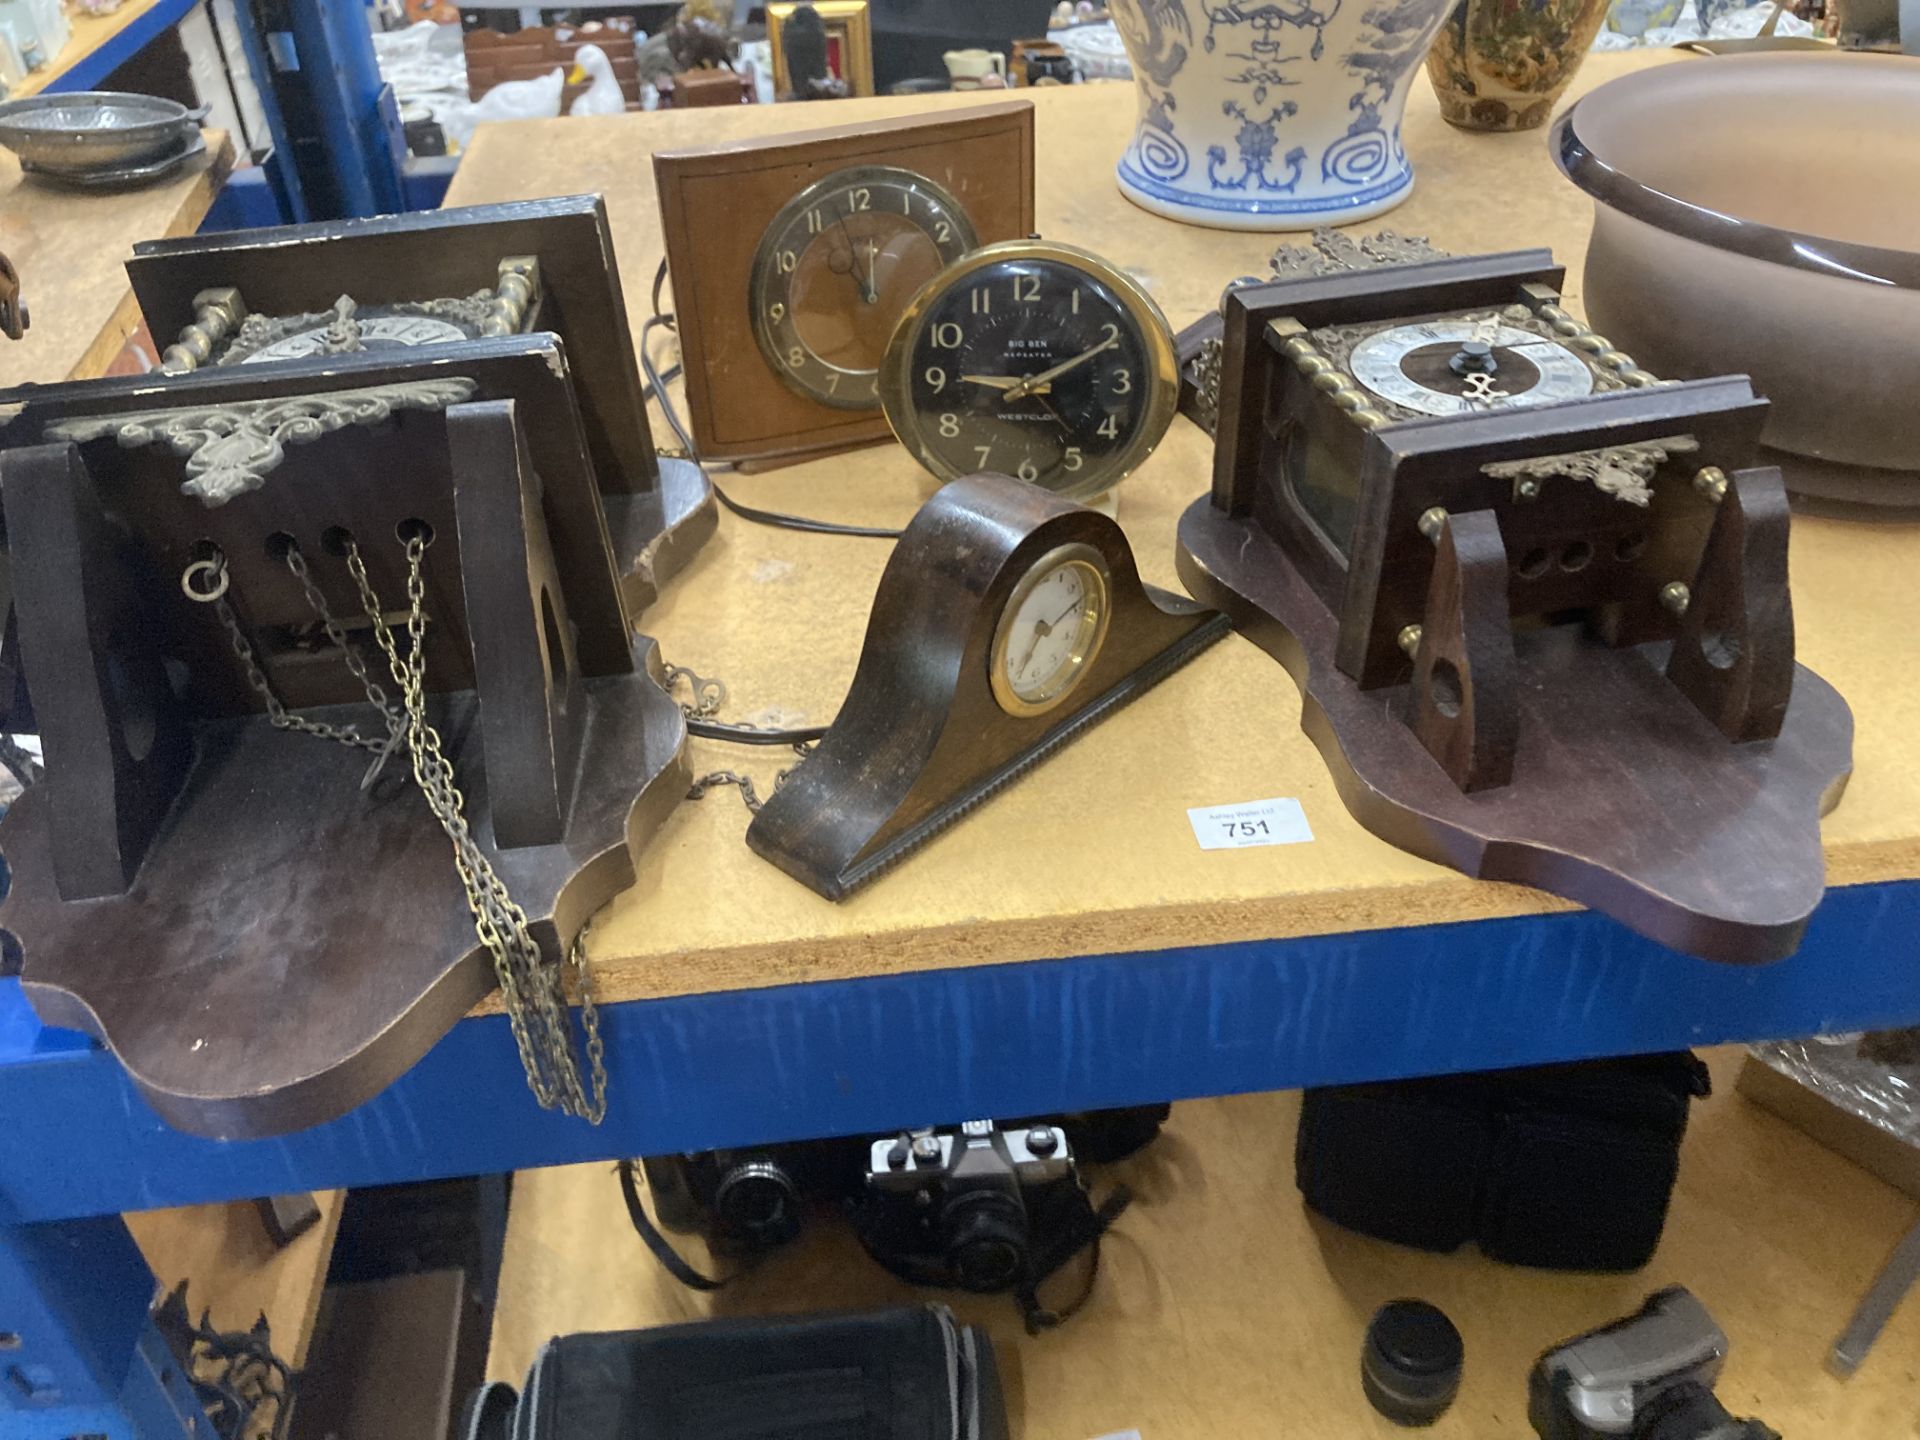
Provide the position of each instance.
(1092, 853)
(70, 248)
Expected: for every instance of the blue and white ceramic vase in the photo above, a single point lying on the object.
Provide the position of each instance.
(1257, 116)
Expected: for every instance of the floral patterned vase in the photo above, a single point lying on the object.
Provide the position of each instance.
(1501, 64)
(1258, 116)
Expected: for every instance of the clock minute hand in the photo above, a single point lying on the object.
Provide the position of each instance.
(1047, 377)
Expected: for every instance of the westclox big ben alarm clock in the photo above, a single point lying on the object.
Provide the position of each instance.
(1034, 359)
(793, 258)
(1535, 597)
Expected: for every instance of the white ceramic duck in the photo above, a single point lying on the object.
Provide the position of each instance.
(535, 99)
(603, 96)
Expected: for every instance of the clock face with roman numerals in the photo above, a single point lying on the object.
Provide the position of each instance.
(1420, 366)
(1038, 361)
(836, 268)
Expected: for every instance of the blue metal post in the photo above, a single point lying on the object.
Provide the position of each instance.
(338, 148)
(358, 121)
(79, 1355)
(280, 161)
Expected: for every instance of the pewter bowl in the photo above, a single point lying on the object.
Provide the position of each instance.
(95, 130)
(1760, 215)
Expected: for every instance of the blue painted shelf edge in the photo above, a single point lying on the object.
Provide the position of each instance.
(796, 1061)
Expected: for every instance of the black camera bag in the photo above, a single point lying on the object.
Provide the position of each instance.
(1565, 1167)
(912, 1373)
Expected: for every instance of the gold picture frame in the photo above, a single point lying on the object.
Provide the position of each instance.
(849, 29)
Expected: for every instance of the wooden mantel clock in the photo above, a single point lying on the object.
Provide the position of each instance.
(1536, 599)
(1008, 622)
(792, 259)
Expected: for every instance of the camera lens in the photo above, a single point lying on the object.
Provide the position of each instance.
(1691, 1411)
(757, 1200)
(985, 1236)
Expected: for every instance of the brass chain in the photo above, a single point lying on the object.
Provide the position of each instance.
(277, 714)
(708, 697)
(717, 778)
(317, 602)
(533, 992)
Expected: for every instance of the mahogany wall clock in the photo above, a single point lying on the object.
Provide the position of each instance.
(793, 258)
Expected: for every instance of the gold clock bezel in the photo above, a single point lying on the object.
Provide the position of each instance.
(1163, 363)
(761, 270)
(1087, 645)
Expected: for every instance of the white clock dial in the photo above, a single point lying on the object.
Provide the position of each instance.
(377, 332)
(1408, 365)
(1050, 631)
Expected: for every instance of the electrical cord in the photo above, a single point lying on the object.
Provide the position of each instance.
(656, 387)
(753, 734)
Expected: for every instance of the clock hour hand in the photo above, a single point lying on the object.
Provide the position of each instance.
(1040, 632)
(1047, 377)
(853, 257)
(1007, 384)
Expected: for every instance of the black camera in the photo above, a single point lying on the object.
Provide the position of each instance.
(980, 1206)
(960, 1207)
(1647, 1377)
(743, 1202)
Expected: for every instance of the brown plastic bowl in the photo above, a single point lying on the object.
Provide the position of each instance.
(1760, 215)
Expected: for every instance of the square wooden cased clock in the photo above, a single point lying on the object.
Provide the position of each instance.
(792, 259)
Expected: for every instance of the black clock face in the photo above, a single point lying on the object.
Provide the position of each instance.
(1040, 368)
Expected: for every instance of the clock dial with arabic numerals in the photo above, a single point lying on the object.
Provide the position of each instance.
(1036, 360)
(1050, 630)
(835, 269)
